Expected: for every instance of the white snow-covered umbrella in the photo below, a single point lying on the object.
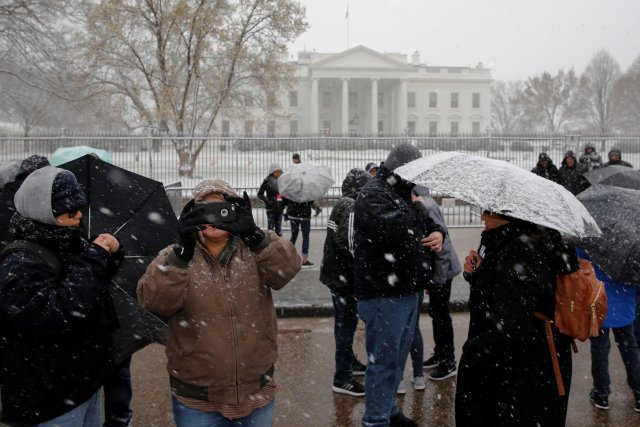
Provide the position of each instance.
(304, 182)
(504, 188)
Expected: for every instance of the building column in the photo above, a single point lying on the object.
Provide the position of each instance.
(402, 107)
(374, 107)
(313, 110)
(345, 107)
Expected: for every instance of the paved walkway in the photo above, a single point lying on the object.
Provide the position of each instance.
(307, 296)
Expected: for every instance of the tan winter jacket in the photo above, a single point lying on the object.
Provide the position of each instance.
(222, 322)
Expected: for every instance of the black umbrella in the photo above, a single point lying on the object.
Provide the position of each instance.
(618, 176)
(617, 212)
(137, 210)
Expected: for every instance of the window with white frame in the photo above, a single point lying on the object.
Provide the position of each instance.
(293, 98)
(433, 99)
(454, 99)
(411, 99)
(475, 100)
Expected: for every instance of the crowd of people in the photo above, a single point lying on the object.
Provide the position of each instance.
(387, 246)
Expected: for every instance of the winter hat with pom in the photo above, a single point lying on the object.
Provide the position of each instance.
(400, 155)
(212, 186)
(48, 192)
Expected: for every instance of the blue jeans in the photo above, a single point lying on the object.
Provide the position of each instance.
(345, 312)
(305, 226)
(88, 414)
(117, 397)
(274, 221)
(417, 344)
(188, 417)
(440, 312)
(600, 346)
(389, 326)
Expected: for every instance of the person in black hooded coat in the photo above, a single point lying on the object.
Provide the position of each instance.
(394, 240)
(546, 169)
(570, 174)
(505, 374)
(336, 271)
(7, 207)
(60, 349)
(615, 158)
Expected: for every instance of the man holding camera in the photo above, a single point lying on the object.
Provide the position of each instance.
(214, 285)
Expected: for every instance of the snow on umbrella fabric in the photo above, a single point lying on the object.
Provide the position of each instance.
(304, 182)
(137, 210)
(618, 176)
(617, 212)
(503, 188)
(67, 154)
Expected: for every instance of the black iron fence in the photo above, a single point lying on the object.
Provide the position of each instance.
(244, 161)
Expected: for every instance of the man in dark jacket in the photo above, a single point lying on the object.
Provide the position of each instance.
(272, 199)
(336, 271)
(7, 207)
(546, 169)
(394, 237)
(615, 158)
(570, 174)
(61, 319)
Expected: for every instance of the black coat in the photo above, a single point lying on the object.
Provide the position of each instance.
(7, 208)
(61, 349)
(269, 194)
(572, 178)
(298, 210)
(389, 259)
(505, 376)
(618, 163)
(550, 173)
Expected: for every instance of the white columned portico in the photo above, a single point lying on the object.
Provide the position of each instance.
(313, 111)
(402, 107)
(345, 107)
(374, 106)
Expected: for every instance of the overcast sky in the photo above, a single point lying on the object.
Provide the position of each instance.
(516, 39)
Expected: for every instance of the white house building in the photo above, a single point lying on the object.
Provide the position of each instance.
(364, 92)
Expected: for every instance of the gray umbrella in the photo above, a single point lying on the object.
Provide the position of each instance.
(619, 176)
(617, 212)
(304, 182)
(504, 188)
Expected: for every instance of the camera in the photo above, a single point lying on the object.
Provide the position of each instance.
(216, 212)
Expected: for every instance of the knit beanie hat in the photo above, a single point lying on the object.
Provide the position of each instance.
(212, 186)
(400, 155)
(48, 192)
(370, 166)
(274, 167)
(544, 156)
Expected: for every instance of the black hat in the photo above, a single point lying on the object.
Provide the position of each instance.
(615, 151)
(400, 155)
(295, 156)
(66, 194)
(543, 156)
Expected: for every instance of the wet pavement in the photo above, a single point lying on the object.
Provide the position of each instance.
(305, 368)
(304, 375)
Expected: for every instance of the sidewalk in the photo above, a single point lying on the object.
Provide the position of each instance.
(305, 295)
(304, 373)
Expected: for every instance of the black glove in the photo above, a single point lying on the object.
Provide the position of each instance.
(318, 209)
(285, 216)
(243, 227)
(190, 222)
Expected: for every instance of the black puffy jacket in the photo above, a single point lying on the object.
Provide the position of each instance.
(389, 259)
(336, 269)
(269, 194)
(61, 347)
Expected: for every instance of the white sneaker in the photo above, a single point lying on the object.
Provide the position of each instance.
(418, 383)
(401, 388)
